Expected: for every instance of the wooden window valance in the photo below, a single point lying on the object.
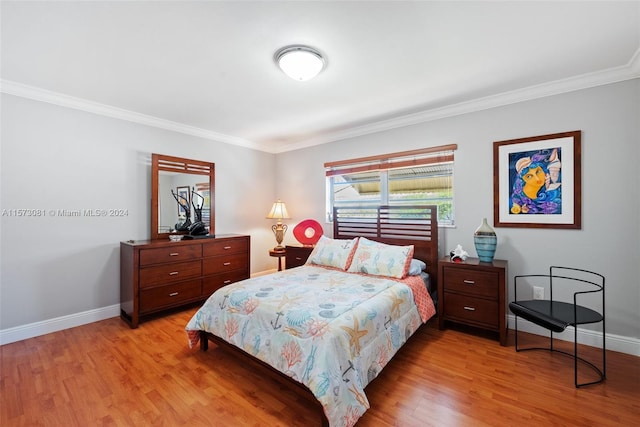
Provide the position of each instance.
(425, 156)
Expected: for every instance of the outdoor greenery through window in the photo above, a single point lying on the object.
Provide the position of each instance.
(410, 177)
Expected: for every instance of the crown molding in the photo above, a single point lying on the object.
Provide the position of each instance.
(612, 75)
(43, 95)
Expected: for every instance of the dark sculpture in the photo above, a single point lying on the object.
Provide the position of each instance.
(183, 226)
(198, 228)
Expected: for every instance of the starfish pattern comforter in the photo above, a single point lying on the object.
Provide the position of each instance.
(331, 330)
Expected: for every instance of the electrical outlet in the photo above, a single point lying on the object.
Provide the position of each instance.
(538, 292)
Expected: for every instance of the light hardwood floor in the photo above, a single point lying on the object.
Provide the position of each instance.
(106, 374)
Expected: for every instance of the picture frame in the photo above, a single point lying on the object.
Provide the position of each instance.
(537, 181)
(186, 193)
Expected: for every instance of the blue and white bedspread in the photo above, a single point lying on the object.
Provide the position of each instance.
(330, 330)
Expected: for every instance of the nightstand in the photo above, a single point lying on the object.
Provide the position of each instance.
(473, 293)
(297, 255)
(279, 255)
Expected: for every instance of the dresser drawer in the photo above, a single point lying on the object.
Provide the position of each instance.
(471, 282)
(170, 254)
(220, 264)
(226, 247)
(471, 310)
(212, 283)
(168, 295)
(157, 275)
(172, 272)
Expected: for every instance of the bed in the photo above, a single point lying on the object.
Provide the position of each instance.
(328, 327)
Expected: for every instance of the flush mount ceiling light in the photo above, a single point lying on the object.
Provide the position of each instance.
(300, 62)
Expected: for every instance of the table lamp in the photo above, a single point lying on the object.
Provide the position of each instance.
(278, 211)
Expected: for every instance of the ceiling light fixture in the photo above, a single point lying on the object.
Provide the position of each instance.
(300, 62)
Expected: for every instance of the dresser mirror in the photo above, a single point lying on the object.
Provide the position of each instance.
(192, 182)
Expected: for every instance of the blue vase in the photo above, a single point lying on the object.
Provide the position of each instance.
(485, 241)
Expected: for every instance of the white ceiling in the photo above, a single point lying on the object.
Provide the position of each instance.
(206, 67)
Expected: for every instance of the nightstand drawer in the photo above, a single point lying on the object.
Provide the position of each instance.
(471, 310)
(471, 282)
(170, 254)
(297, 255)
(163, 296)
(473, 293)
(173, 272)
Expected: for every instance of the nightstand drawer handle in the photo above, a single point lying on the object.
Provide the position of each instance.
(173, 273)
(173, 294)
(174, 254)
(469, 308)
(227, 247)
(469, 282)
(226, 282)
(298, 258)
(226, 263)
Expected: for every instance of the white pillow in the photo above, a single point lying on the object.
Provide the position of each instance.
(380, 259)
(416, 267)
(333, 252)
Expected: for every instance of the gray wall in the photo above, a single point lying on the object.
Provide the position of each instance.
(60, 158)
(609, 241)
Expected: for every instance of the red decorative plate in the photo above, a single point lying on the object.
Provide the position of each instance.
(308, 232)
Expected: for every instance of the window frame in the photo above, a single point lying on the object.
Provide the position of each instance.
(385, 163)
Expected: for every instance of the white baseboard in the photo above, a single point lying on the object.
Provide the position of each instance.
(589, 337)
(43, 327)
(592, 338)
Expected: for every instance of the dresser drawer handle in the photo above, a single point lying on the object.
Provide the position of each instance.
(469, 308)
(226, 282)
(174, 254)
(469, 282)
(226, 263)
(227, 247)
(173, 273)
(173, 294)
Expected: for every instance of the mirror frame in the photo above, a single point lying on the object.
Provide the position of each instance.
(160, 163)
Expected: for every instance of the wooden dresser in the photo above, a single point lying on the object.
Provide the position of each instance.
(157, 275)
(296, 255)
(473, 293)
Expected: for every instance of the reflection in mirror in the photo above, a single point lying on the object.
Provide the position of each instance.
(182, 197)
(191, 190)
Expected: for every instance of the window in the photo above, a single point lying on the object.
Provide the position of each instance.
(409, 177)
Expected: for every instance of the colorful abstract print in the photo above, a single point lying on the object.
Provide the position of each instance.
(535, 178)
(331, 330)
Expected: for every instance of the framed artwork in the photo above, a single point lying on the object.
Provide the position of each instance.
(537, 182)
(184, 196)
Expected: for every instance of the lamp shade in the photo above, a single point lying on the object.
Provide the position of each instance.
(278, 211)
(300, 62)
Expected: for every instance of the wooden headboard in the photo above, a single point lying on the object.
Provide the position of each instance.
(415, 225)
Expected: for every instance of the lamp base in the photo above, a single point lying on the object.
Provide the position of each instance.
(278, 230)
